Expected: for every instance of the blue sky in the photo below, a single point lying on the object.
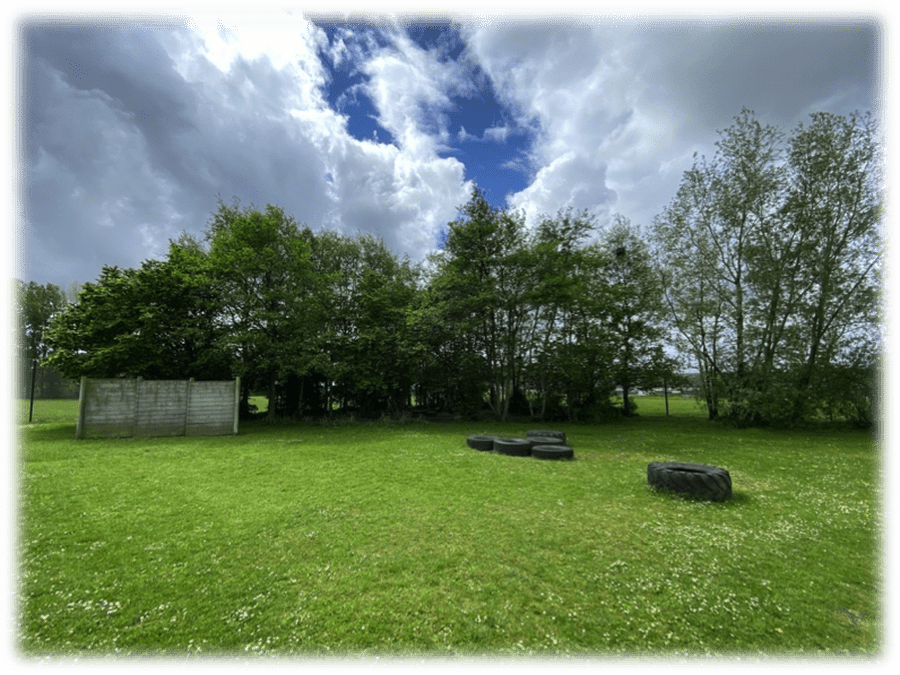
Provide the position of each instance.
(481, 136)
(129, 129)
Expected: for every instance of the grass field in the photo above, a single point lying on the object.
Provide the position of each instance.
(397, 539)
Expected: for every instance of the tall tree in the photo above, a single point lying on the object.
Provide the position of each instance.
(449, 370)
(768, 256)
(567, 354)
(632, 309)
(261, 262)
(42, 303)
(18, 354)
(834, 204)
(482, 281)
(367, 294)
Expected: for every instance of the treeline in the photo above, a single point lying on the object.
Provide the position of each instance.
(544, 323)
(762, 274)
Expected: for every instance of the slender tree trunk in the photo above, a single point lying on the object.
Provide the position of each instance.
(33, 378)
(270, 414)
(300, 400)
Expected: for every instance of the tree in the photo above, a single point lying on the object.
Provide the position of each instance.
(448, 369)
(482, 278)
(366, 293)
(260, 260)
(632, 309)
(18, 354)
(769, 258)
(834, 204)
(563, 272)
(42, 303)
(158, 321)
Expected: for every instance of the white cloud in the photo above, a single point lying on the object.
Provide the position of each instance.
(497, 134)
(402, 191)
(573, 179)
(161, 121)
(462, 136)
(622, 99)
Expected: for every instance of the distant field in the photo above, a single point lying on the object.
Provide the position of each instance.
(48, 411)
(397, 539)
(678, 406)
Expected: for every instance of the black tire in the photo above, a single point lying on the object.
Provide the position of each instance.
(547, 433)
(701, 480)
(552, 452)
(515, 447)
(544, 440)
(483, 443)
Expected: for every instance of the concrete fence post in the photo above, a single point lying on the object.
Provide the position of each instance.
(136, 415)
(187, 405)
(237, 402)
(82, 402)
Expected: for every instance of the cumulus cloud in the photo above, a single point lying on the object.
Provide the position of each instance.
(131, 131)
(619, 110)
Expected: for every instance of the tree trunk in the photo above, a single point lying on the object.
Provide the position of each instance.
(270, 414)
(300, 400)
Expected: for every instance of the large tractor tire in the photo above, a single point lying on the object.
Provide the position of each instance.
(515, 447)
(544, 440)
(547, 433)
(701, 480)
(483, 443)
(555, 451)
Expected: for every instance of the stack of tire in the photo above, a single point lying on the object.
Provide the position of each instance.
(538, 443)
(700, 480)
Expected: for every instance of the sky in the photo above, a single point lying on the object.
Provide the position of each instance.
(129, 130)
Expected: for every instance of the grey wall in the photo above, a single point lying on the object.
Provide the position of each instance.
(120, 408)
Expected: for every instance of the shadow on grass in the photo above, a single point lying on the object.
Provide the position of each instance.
(737, 498)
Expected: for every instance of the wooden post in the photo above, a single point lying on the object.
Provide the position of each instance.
(82, 404)
(33, 378)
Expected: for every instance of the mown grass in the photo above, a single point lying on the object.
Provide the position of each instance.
(47, 411)
(305, 540)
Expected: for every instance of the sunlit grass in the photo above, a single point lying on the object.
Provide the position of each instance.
(300, 539)
(679, 406)
(47, 411)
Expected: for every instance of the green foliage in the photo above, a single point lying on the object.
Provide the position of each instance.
(368, 300)
(261, 262)
(764, 271)
(481, 284)
(36, 306)
(633, 310)
(770, 257)
(19, 351)
(156, 322)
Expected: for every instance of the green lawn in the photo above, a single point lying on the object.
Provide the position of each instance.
(390, 539)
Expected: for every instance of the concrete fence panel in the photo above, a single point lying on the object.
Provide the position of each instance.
(161, 408)
(213, 409)
(106, 408)
(117, 408)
